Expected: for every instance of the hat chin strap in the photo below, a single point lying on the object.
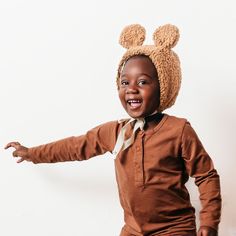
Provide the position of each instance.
(122, 143)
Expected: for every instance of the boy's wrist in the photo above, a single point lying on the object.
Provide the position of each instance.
(207, 231)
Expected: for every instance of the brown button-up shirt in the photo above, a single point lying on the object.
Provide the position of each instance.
(151, 174)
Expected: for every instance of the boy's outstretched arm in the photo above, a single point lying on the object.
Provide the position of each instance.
(200, 166)
(95, 142)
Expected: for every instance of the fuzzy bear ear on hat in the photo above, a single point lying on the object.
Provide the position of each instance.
(166, 36)
(132, 35)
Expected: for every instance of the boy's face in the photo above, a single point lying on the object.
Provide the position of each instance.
(138, 87)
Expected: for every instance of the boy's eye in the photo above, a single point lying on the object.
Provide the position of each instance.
(123, 83)
(142, 82)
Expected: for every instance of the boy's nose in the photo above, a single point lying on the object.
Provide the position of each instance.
(131, 89)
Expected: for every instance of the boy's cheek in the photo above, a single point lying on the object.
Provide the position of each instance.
(121, 94)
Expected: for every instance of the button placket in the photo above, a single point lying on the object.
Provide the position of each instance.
(138, 160)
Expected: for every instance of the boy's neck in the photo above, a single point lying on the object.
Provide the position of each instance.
(152, 121)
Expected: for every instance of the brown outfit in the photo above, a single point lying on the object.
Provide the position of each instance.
(151, 175)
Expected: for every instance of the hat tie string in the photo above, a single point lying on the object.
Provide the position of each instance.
(122, 143)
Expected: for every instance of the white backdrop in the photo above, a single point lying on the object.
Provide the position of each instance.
(58, 63)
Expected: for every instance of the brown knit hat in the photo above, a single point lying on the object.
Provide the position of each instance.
(165, 60)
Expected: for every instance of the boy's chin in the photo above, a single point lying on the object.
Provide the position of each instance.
(137, 115)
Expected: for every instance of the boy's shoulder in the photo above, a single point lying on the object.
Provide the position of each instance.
(176, 120)
(175, 124)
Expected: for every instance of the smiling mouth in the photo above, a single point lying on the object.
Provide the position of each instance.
(134, 103)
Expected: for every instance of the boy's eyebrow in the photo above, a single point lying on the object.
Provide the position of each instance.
(139, 74)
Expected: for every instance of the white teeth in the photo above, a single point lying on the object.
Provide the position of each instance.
(134, 101)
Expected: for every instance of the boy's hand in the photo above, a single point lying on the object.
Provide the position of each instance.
(20, 151)
(206, 231)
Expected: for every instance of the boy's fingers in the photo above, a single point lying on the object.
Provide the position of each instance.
(20, 160)
(12, 144)
(20, 151)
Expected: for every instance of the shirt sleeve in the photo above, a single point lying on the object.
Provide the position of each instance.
(95, 142)
(200, 166)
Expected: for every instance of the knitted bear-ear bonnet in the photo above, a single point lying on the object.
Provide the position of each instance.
(164, 59)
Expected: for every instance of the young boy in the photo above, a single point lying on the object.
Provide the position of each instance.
(155, 152)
